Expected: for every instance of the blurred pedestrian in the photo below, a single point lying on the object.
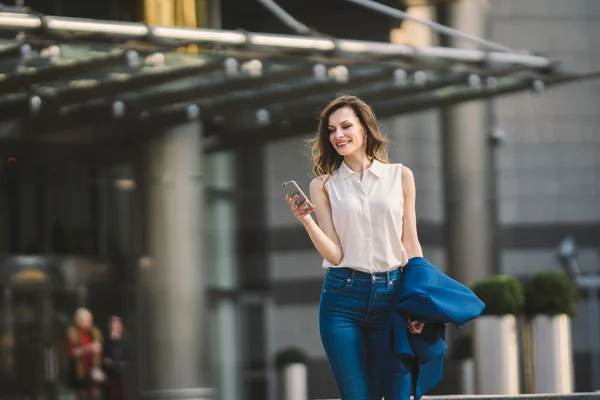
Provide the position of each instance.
(84, 348)
(117, 360)
(366, 232)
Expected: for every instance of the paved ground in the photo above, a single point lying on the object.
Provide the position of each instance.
(573, 396)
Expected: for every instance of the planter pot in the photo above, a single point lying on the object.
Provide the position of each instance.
(294, 385)
(551, 352)
(467, 376)
(496, 355)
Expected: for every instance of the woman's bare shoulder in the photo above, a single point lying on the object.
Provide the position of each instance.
(319, 182)
(407, 172)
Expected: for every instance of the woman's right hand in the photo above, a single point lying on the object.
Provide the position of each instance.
(302, 214)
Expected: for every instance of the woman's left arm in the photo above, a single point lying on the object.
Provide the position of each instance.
(410, 239)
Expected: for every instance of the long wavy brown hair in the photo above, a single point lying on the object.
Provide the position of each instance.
(326, 159)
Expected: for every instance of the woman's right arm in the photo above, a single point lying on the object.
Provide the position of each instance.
(323, 235)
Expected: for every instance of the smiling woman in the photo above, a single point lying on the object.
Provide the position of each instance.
(366, 232)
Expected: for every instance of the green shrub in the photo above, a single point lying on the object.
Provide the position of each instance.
(502, 295)
(550, 293)
(462, 347)
(290, 355)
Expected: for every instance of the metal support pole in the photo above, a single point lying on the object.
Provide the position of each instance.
(453, 33)
(215, 14)
(285, 17)
(466, 170)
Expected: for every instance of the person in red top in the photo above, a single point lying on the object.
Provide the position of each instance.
(84, 347)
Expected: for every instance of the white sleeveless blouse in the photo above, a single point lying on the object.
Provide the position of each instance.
(367, 216)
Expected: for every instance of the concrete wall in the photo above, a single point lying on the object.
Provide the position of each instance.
(549, 167)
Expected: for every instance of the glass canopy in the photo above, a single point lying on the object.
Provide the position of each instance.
(53, 82)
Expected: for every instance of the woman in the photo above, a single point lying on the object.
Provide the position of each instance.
(366, 233)
(84, 347)
(117, 360)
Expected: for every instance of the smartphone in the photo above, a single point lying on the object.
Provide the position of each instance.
(292, 189)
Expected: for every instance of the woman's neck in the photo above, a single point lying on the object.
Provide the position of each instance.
(358, 163)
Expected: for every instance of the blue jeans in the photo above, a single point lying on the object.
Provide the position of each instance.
(353, 315)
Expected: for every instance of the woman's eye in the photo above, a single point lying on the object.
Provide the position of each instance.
(346, 127)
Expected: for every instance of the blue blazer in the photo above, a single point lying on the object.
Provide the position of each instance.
(426, 294)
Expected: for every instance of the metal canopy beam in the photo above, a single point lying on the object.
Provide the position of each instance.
(86, 103)
(246, 130)
(423, 91)
(386, 90)
(104, 107)
(240, 82)
(92, 112)
(107, 128)
(100, 109)
(455, 95)
(178, 36)
(285, 124)
(393, 77)
(12, 50)
(280, 92)
(52, 100)
(27, 77)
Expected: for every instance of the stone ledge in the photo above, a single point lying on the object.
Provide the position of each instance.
(571, 396)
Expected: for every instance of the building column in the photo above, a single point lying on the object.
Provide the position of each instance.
(174, 271)
(221, 257)
(467, 166)
(181, 13)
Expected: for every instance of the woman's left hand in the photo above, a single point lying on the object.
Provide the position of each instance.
(415, 327)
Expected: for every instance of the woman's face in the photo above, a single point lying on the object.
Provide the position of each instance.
(116, 326)
(346, 133)
(84, 320)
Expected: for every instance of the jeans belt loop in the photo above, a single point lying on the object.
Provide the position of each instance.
(389, 280)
